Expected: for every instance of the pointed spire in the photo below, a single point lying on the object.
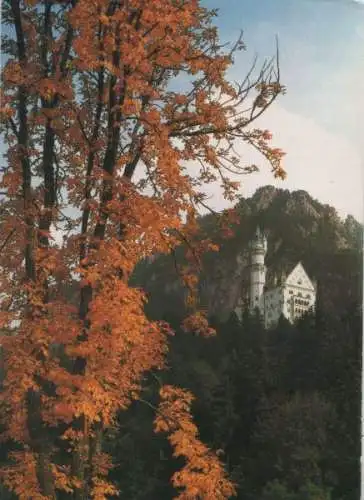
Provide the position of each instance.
(259, 240)
(259, 235)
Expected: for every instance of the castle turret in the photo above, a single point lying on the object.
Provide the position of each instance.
(258, 248)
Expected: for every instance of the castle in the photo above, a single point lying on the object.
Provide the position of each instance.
(293, 297)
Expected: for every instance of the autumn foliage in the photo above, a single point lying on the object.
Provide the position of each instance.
(115, 115)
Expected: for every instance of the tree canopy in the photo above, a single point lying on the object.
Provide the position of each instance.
(115, 116)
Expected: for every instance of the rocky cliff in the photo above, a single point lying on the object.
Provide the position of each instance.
(298, 227)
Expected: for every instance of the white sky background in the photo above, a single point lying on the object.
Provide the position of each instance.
(319, 122)
(323, 163)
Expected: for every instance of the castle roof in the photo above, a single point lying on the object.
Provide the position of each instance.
(299, 277)
(259, 239)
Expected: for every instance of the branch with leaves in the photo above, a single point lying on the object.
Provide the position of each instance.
(102, 152)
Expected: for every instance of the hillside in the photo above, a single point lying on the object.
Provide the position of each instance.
(281, 406)
(299, 228)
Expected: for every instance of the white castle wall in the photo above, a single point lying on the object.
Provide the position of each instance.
(293, 298)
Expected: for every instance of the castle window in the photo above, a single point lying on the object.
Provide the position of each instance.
(299, 282)
(308, 296)
(291, 292)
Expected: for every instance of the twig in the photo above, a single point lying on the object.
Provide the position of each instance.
(7, 239)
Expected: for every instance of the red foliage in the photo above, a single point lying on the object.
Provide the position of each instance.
(99, 151)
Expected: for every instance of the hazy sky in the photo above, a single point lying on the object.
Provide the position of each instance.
(318, 123)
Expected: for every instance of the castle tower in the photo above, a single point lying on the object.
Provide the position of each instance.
(258, 248)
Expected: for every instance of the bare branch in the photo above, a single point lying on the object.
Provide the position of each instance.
(7, 239)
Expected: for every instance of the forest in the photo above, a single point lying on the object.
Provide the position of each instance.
(283, 405)
(280, 406)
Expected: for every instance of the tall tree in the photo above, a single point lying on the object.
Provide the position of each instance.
(100, 132)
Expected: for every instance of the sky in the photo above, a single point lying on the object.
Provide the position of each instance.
(318, 122)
